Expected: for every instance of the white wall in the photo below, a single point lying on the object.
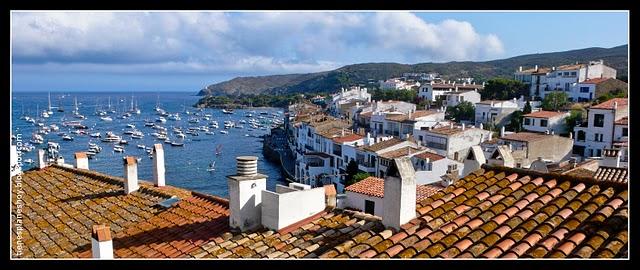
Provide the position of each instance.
(284, 209)
(356, 201)
(438, 169)
(555, 124)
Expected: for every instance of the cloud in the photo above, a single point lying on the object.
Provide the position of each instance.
(236, 43)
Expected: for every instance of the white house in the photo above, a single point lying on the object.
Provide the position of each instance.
(400, 124)
(456, 97)
(598, 132)
(353, 94)
(546, 121)
(367, 195)
(397, 84)
(494, 111)
(451, 141)
(562, 78)
(430, 167)
(433, 91)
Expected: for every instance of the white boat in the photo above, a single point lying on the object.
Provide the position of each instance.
(137, 135)
(225, 111)
(123, 142)
(181, 135)
(131, 126)
(118, 148)
(228, 124)
(141, 146)
(110, 137)
(194, 120)
(212, 166)
(95, 135)
(161, 119)
(28, 161)
(224, 131)
(167, 140)
(148, 124)
(240, 126)
(210, 133)
(67, 138)
(175, 117)
(54, 127)
(106, 118)
(44, 114)
(177, 144)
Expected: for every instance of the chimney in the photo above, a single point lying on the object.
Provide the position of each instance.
(536, 68)
(481, 126)
(570, 135)
(502, 132)
(552, 132)
(482, 84)
(158, 165)
(462, 126)
(82, 162)
(451, 125)
(615, 105)
(452, 175)
(520, 69)
(101, 243)
(130, 174)
(490, 135)
(42, 162)
(399, 201)
(610, 158)
(245, 194)
(330, 196)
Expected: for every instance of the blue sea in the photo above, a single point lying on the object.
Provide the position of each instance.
(186, 167)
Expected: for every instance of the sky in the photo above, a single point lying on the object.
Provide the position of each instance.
(186, 51)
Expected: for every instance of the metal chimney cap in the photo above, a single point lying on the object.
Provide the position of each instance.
(246, 158)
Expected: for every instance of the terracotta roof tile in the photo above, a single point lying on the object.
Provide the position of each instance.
(430, 156)
(545, 114)
(490, 213)
(612, 174)
(608, 105)
(525, 136)
(373, 186)
(383, 145)
(622, 121)
(596, 80)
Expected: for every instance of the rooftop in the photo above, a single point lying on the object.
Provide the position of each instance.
(545, 114)
(414, 115)
(571, 67)
(347, 138)
(493, 212)
(613, 174)
(622, 121)
(525, 136)
(447, 130)
(402, 152)
(430, 156)
(595, 80)
(373, 186)
(383, 144)
(608, 105)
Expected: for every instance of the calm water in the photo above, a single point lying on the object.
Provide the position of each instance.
(186, 166)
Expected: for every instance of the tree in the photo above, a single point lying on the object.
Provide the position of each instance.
(502, 89)
(616, 93)
(515, 124)
(554, 101)
(352, 170)
(360, 176)
(576, 116)
(463, 111)
(527, 108)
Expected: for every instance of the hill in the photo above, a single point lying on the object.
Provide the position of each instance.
(330, 81)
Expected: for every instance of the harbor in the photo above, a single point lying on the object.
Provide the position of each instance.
(200, 143)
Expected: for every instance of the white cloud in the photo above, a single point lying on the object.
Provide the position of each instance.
(242, 43)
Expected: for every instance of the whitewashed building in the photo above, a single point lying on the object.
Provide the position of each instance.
(456, 97)
(351, 95)
(546, 121)
(397, 84)
(451, 141)
(400, 124)
(598, 132)
(433, 91)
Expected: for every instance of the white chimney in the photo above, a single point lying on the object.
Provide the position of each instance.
(82, 161)
(245, 194)
(610, 158)
(451, 125)
(41, 159)
(502, 132)
(490, 135)
(130, 174)
(520, 69)
(158, 165)
(570, 135)
(615, 105)
(399, 200)
(481, 126)
(536, 68)
(101, 243)
(552, 132)
(462, 126)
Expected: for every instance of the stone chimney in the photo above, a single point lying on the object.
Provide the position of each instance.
(158, 165)
(610, 158)
(42, 161)
(130, 174)
(101, 243)
(82, 161)
(245, 194)
(399, 194)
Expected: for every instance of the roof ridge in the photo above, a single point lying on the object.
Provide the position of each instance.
(210, 197)
(559, 177)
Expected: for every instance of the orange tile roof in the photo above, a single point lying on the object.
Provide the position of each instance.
(383, 144)
(404, 151)
(622, 121)
(525, 136)
(613, 174)
(494, 212)
(595, 80)
(347, 138)
(447, 130)
(430, 156)
(545, 114)
(373, 186)
(608, 105)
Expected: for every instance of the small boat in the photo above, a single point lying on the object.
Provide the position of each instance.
(161, 119)
(28, 161)
(181, 135)
(177, 144)
(148, 124)
(225, 111)
(131, 126)
(210, 133)
(141, 146)
(128, 132)
(137, 135)
(123, 142)
(167, 141)
(118, 148)
(212, 167)
(67, 138)
(95, 135)
(224, 131)
(106, 118)
(194, 120)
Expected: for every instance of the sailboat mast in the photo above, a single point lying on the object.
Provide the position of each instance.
(49, 108)
(109, 103)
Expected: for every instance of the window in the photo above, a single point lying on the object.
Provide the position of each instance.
(567, 86)
(527, 121)
(581, 135)
(566, 74)
(369, 207)
(625, 132)
(598, 120)
(543, 122)
(598, 152)
(584, 89)
(573, 73)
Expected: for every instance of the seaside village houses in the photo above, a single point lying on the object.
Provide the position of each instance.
(433, 188)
